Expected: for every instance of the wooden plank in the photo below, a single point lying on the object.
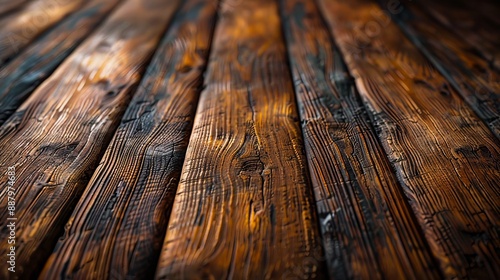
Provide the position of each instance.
(118, 226)
(28, 70)
(472, 76)
(369, 231)
(56, 138)
(243, 209)
(488, 9)
(7, 6)
(20, 28)
(446, 159)
(469, 25)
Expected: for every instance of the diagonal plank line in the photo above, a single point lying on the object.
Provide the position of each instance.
(9, 6)
(20, 77)
(61, 131)
(362, 209)
(468, 24)
(243, 207)
(19, 29)
(473, 77)
(446, 159)
(119, 224)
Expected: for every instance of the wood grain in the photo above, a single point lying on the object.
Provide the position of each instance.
(369, 231)
(472, 76)
(469, 25)
(243, 208)
(117, 228)
(57, 137)
(22, 27)
(31, 67)
(446, 159)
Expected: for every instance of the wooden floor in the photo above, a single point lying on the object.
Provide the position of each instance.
(262, 139)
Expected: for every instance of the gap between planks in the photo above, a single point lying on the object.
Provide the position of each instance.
(59, 134)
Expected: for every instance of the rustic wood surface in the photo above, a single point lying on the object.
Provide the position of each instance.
(21, 27)
(367, 226)
(446, 159)
(469, 25)
(473, 77)
(118, 227)
(58, 135)
(341, 139)
(29, 69)
(243, 208)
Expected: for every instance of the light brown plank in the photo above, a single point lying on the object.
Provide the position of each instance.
(369, 231)
(243, 208)
(20, 28)
(445, 157)
(58, 135)
(471, 75)
(118, 226)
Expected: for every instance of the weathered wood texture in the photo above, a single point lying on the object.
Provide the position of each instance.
(118, 226)
(57, 137)
(472, 76)
(30, 68)
(7, 6)
(369, 231)
(21, 27)
(446, 159)
(243, 208)
(469, 25)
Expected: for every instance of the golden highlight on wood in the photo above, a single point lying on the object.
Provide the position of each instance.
(119, 224)
(249, 139)
(59, 134)
(362, 208)
(243, 206)
(32, 66)
(444, 156)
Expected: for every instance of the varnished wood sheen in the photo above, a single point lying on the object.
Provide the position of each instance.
(28, 70)
(369, 231)
(119, 224)
(469, 25)
(339, 139)
(21, 27)
(57, 137)
(473, 76)
(243, 208)
(445, 157)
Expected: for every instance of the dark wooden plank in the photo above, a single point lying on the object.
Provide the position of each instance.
(488, 9)
(28, 70)
(7, 6)
(369, 231)
(445, 157)
(470, 25)
(20, 28)
(243, 209)
(56, 138)
(118, 226)
(471, 75)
